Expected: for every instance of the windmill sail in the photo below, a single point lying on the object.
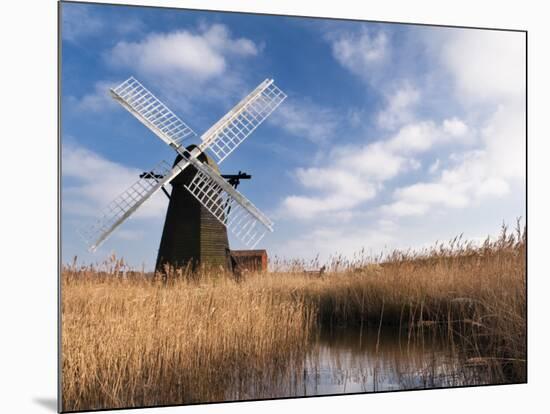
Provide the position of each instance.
(246, 222)
(233, 128)
(126, 203)
(222, 138)
(150, 111)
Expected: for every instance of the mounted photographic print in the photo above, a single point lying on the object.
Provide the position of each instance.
(263, 206)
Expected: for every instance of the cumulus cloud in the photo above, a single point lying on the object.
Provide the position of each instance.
(487, 66)
(504, 138)
(366, 53)
(356, 241)
(307, 120)
(181, 66)
(474, 150)
(415, 137)
(353, 174)
(495, 86)
(455, 127)
(399, 108)
(402, 208)
(432, 193)
(340, 191)
(473, 175)
(197, 55)
(360, 51)
(374, 160)
(311, 207)
(458, 186)
(497, 83)
(189, 66)
(366, 167)
(96, 101)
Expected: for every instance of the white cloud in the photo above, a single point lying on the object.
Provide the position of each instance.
(415, 137)
(492, 186)
(338, 179)
(354, 174)
(96, 101)
(361, 51)
(481, 121)
(497, 83)
(306, 120)
(365, 54)
(373, 160)
(399, 107)
(475, 175)
(351, 176)
(487, 66)
(421, 136)
(489, 79)
(340, 190)
(432, 193)
(307, 208)
(198, 56)
(356, 241)
(405, 208)
(504, 138)
(91, 181)
(188, 67)
(455, 127)
(458, 186)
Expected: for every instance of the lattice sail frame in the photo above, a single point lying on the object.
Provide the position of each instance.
(125, 204)
(150, 111)
(224, 136)
(246, 221)
(232, 129)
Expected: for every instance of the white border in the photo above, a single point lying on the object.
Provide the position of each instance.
(28, 227)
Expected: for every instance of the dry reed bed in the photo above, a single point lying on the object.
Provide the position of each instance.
(472, 296)
(134, 341)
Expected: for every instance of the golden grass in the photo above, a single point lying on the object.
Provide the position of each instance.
(473, 297)
(132, 340)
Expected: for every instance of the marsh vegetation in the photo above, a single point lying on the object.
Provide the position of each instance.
(450, 315)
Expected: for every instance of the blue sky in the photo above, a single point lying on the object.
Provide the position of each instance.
(392, 136)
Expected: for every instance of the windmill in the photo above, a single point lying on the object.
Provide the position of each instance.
(202, 201)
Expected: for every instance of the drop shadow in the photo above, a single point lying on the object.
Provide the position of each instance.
(48, 403)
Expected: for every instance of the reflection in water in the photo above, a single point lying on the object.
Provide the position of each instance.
(347, 361)
(350, 361)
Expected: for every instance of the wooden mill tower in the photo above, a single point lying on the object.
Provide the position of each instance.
(191, 234)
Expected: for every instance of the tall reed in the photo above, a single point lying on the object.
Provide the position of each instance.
(136, 342)
(131, 339)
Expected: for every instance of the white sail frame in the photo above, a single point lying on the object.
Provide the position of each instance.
(151, 112)
(235, 126)
(224, 136)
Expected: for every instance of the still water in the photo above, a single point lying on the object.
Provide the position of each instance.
(348, 361)
(345, 361)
